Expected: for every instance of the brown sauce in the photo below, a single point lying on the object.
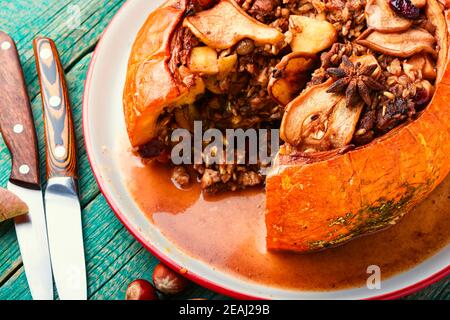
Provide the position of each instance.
(228, 232)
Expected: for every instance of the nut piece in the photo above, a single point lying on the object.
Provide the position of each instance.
(227, 64)
(225, 24)
(311, 36)
(167, 281)
(141, 290)
(204, 60)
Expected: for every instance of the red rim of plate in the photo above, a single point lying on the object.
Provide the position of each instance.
(158, 253)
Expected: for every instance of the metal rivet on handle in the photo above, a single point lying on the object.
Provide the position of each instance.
(45, 53)
(18, 128)
(60, 152)
(24, 169)
(5, 45)
(55, 101)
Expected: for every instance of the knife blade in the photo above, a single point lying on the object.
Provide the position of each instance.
(18, 131)
(62, 204)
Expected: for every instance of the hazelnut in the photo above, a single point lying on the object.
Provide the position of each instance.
(167, 281)
(141, 290)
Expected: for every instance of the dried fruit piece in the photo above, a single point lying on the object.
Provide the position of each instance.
(225, 24)
(310, 35)
(10, 205)
(141, 290)
(424, 95)
(381, 17)
(204, 3)
(405, 8)
(167, 281)
(289, 77)
(399, 44)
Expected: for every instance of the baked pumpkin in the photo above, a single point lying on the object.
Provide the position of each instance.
(357, 89)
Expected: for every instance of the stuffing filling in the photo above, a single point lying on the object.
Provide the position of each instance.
(329, 74)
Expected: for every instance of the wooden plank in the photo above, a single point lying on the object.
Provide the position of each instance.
(72, 43)
(437, 291)
(47, 18)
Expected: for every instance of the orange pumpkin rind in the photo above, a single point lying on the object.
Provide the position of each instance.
(364, 190)
(150, 84)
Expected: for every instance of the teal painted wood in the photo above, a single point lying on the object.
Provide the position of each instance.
(114, 258)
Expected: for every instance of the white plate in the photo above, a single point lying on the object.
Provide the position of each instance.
(104, 125)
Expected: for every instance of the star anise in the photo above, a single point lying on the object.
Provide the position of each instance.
(355, 80)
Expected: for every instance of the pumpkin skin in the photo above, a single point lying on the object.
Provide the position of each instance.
(341, 197)
(150, 85)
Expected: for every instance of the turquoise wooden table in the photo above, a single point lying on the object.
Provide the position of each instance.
(114, 258)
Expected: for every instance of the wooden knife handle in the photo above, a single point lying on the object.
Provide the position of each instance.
(59, 131)
(16, 118)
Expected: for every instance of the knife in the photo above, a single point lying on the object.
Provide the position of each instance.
(62, 204)
(17, 126)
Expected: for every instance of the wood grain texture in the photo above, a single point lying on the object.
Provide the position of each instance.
(16, 118)
(113, 257)
(58, 124)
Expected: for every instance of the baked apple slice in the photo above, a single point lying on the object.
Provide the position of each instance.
(310, 35)
(225, 24)
(381, 17)
(399, 44)
(289, 77)
(319, 120)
